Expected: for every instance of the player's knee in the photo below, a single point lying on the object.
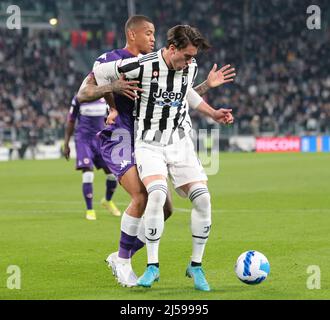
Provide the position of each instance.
(201, 199)
(139, 200)
(88, 177)
(157, 191)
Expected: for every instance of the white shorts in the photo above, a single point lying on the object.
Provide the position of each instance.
(178, 160)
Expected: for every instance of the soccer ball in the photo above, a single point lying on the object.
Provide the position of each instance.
(252, 267)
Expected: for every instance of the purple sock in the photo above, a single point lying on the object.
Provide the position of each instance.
(125, 245)
(110, 189)
(88, 195)
(138, 244)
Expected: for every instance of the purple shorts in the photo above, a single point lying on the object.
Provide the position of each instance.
(88, 155)
(117, 151)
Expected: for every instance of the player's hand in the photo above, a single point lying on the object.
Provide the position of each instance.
(126, 88)
(223, 116)
(66, 151)
(111, 117)
(217, 78)
(229, 119)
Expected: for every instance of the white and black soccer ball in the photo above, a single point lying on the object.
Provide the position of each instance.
(252, 267)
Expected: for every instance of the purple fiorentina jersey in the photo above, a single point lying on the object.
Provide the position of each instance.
(90, 118)
(125, 106)
(116, 140)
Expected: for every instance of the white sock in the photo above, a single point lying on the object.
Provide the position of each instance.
(141, 230)
(154, 217)
(88, 177)
(129, 231)
(200, 219)
(129, 224)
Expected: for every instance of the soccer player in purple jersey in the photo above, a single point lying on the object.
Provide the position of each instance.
(90, 118)
(140, 39)
(139, 32)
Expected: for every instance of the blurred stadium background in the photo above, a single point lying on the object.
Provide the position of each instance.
(282, 88)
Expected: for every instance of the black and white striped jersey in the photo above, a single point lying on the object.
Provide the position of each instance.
(162, 109)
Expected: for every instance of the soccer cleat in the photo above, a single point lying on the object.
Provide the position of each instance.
(90, 215)
(111, 207)
(111, 261)
(198, 275)
(125, 274)
(150, 275)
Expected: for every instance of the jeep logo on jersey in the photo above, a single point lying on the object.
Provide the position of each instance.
(168, 95)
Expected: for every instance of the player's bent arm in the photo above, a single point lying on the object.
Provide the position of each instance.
(202, 88)
(223, 116)
(90, 91)
(196, 102)
(111, 76)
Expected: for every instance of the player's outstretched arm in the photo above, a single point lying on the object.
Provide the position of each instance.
(90, 91)
(216, 78)
(223, 116)
(195, 101)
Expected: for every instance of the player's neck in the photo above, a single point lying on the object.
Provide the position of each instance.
(166, 57)
(132, 50)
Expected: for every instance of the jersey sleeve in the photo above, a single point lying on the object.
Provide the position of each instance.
(130, 67)
(109, 71)
(74, 110)
(194, 99)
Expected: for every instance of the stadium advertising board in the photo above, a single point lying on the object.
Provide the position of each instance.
(281, 144)
(315, 144)
(293, 144)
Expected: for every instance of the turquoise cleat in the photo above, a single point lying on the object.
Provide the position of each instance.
(198, 275)
(150, 275)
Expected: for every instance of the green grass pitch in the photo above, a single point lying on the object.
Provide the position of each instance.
(278, 204)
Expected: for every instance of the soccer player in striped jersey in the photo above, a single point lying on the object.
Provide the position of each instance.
(139, 35)
(163, 144)
(90, 117)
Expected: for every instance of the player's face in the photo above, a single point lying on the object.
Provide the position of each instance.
(181, 58)
(145, 37)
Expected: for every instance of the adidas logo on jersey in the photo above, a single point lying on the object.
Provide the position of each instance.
(174, 96)
(154, 80)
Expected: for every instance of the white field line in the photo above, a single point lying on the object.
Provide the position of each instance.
(176, 209)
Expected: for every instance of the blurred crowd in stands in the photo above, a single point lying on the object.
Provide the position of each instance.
(283, 68)
(37, 81)
(283, 81)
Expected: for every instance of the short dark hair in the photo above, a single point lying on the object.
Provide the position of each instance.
(134, 20)
(183, 35)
